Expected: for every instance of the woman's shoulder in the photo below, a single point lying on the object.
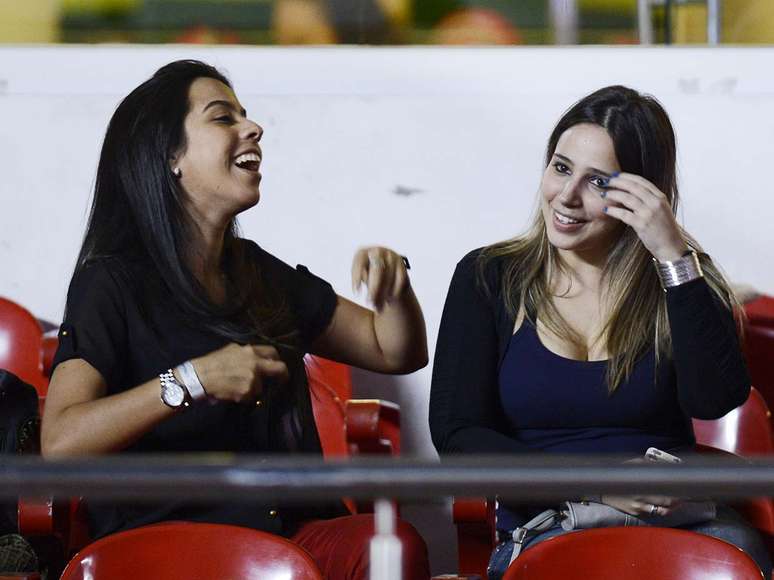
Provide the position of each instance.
(102, 271)
(479, 264)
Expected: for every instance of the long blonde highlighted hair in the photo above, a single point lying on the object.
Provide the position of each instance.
(644, 143)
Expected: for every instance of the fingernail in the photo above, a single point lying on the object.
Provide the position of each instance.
(605, 209)
(603, 193)
(615, 174)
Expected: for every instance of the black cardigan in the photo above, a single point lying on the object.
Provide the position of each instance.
(465, 411)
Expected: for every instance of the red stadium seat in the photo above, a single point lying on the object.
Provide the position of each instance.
(635, 553)
(760, 311)
(191, 550)
(335, 375)
(759, 354)
(21, 338)
(744, 431)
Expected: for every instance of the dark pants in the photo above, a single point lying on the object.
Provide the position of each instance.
(340, 547)
(728, 526)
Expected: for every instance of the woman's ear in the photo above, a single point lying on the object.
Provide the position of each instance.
(174, 168)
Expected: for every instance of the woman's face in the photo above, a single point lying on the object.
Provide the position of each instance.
(572, 206)
(220, 162)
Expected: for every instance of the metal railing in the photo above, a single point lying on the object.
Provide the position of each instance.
(298, 479)
(308, 479)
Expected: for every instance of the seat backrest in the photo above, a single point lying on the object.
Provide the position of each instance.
(760, 311)
(759, 354)
(191, 550)
(336, 375)
(21, 339)
(745, 431)
(330, 419)
(633, 553)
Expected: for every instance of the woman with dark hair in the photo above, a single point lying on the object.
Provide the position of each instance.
(604, 328)
(180, 336)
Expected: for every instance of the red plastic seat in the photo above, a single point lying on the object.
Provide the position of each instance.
(352, 428)
(335, 375)
(21, 339)
(760, 311)
(637, 553)
(191, 550)
(330, 419)
(759, 354)
(745, 431)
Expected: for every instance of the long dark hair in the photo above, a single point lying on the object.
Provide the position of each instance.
(138, 216)
(644, 144)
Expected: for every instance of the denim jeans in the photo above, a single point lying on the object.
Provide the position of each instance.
(728, 526)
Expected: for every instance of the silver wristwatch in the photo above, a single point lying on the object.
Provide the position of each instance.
(173, 394)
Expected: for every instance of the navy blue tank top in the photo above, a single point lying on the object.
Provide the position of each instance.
(558, 405)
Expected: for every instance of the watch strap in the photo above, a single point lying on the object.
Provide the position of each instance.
(190, 380)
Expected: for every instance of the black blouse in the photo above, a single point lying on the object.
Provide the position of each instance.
(130, 340)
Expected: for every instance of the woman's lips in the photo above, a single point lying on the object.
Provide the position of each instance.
(566, 225)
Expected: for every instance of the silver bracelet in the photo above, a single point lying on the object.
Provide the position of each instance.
(680, 271)
(191, 380)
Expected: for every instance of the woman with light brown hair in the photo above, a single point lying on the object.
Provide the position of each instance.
(605, 328)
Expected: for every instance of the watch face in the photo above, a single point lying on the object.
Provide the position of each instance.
(173, 394)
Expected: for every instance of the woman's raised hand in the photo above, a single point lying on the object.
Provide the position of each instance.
(643, 206)
(238, 372)
(383, 272)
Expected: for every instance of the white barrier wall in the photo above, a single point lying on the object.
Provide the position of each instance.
(431, 151)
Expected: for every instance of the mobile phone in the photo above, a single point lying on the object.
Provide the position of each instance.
(653, 454)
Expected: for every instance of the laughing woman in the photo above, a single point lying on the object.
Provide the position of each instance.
(604, 328)
(180, 336)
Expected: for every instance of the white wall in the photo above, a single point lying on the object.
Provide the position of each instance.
(345, 127)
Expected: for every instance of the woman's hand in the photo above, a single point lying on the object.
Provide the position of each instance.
(383, 273)
(646, 209)
(642, 505)
(238, 372)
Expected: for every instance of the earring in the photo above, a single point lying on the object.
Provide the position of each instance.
(177, 172)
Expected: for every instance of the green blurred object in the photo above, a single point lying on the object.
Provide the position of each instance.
(228, 14)
(164, 21)
(99, 6)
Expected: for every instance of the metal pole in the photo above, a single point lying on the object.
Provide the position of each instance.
(304, 479)
(386, 549)
(668, 22)
(644, 22)
(713, 22)
(564, 20)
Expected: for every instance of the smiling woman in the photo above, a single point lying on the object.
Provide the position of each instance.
(567, 339)
(180, 336)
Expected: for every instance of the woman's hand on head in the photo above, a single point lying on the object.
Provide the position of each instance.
(239, 372)
(642, 505)
(643, 206)
(382, 271)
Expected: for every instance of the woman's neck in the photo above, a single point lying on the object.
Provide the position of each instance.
(583, 271)
(205, 258)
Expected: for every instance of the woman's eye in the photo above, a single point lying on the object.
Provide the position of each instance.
(561, 167)
(223, 119)
(598, 181)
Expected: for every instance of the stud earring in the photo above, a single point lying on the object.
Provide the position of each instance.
(177, 172)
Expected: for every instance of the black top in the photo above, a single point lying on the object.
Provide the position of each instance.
(496, 391)
(130, 340)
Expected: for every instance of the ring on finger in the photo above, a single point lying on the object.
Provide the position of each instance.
(653, 509)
